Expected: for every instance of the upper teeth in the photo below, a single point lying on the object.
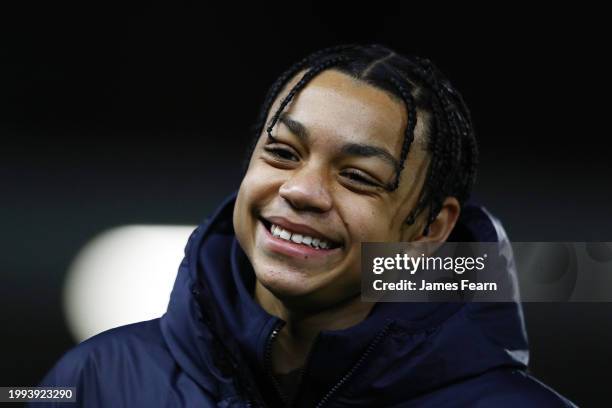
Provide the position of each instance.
(299, 238)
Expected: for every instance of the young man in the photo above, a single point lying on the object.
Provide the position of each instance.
(354, 144)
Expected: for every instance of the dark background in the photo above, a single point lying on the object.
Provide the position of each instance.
(113, 114)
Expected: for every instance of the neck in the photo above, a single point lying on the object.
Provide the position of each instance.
(302, 326)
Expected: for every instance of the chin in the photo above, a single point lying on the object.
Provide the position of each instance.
(283, 283)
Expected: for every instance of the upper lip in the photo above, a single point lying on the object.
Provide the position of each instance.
(299, 228)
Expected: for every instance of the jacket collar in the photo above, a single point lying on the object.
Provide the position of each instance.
(216, 331)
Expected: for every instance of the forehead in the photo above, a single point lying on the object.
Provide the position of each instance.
(346, 109)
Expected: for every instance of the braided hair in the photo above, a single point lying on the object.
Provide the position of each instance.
(450, 138)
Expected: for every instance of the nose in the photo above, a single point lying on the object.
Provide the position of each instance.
(307, 190)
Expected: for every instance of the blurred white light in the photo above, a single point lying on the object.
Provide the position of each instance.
(123, 275)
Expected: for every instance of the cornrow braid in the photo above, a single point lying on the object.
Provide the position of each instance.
(410, 127)
(311, 73)
(439, 128)
(447, 157)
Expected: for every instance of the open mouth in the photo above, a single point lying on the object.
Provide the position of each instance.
(316, 242)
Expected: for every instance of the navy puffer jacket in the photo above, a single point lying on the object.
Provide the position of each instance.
(211, 348)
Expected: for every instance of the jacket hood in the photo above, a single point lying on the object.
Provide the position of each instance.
(218, 334)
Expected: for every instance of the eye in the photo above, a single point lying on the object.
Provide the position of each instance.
(281, 153)
(357, 177)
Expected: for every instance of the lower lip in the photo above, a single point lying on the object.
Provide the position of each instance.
(292, 249)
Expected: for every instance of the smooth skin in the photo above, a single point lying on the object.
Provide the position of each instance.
(316, 172)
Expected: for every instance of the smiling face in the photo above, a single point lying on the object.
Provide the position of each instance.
(318, 188)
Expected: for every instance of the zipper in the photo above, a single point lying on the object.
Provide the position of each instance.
(287, 400)
(371, 347)
(303, 372)
(268, 363)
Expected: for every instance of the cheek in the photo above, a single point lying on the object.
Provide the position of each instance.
(248, 200)
(366, 220)
(258, 188)
(241, 219)
(260, 183)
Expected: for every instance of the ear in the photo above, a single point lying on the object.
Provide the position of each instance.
(445, 221)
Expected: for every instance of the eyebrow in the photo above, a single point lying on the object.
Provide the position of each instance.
(294, 126)
(353, 149)
(364, 150)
